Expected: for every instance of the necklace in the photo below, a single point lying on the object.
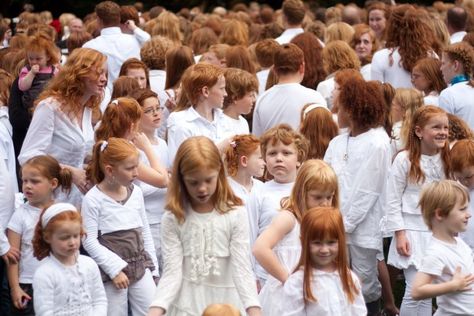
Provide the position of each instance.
(346, 154)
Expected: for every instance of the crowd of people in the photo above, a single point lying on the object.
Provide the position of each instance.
(244, 161)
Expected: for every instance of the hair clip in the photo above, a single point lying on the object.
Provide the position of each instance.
(114, 102)
(233, 144)
(312, 107)
(103, 145)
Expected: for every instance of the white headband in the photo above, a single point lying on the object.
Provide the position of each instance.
(54, 210)
(312, 107)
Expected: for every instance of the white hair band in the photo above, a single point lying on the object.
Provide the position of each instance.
(54, 210)
(312, 107)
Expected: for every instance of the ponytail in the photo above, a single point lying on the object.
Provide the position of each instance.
(50, 168)
(241, 145)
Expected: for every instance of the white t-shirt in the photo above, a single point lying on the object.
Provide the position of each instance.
(262, 77)
(23, 222)
(232, 127)
(440, 260)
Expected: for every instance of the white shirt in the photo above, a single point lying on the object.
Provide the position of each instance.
(234, 127)
(52, 132)
(288, 35)
(457, 37)
(366, 72)
(6, 146)
(155, 198)
(402, 196)
(431, 99)
(282, 103)
(157, 81)
(325, 88)
(441, 260)
(23, 222)
(458, 100)
(188, 123)
(7, 204)
(101, 213)
(468, 235)
(361, 164)
(141, 36)
(117, 46)
(327, 289)
(61, 290)
(262, 77)
(392, 73)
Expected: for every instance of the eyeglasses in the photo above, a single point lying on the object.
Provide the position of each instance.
(151, 111)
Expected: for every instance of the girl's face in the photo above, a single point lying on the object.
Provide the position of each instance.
(37, 188)
(377, 22)
(201, 186)
(363, 49)
(152, 112)
(448, 68)
(316, 198)
(38, 58)
(323, 254)
(217, 93)
(419, 80)
(434, 135)
(244, 105)
(139, 75)
(256, 164)
(466, 177)
(282, 161)
(96, 82)
(65, 241)
(125, 172)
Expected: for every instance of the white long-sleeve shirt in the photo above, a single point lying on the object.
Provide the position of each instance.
(458, 99)
(102, 213)
(69, 290)
(392, 73)
(6, 146)
(7, 204)
(361, 164)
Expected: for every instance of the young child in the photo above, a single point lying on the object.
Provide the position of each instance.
(41, 176)
(425, 160)
(204, 238)
(278, 248)
(426, 76)
(203, 89)
(361, 159)
(284, 151)
(66, 283)
(241, 87)
(135, 68)
(462, 164)
(122, 119)
(244, 164)
(154, 197)
(322, 283)
(447, 267)
(42, 56)
(118, 234)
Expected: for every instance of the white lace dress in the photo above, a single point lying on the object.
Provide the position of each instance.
(206, 261)
(288, 252)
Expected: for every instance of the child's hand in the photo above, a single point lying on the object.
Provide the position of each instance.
(155, 311)
(12, 256)
(19, 297)
(141, 141)
(79, 178)
(403, 245)
(131, 25)
(121, 281)
(462, 282)
(35, 69)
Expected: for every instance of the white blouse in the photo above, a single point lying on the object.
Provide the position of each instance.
(361, 164)
(61, 290)
(6, 146)
(329, 293)
(102, 213)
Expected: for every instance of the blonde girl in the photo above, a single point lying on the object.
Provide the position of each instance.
(118, 234)
(404, 104)
(204, 238)
(41, 176)
(425, 160)
(122, 119)
(278, 247)
(65, 282)
(323, 283)
(426, 76)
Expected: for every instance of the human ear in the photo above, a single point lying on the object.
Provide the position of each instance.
(108, 170)
(205, 91)
(438, 215)
(418, 131)
(244, 161)
(54, 183)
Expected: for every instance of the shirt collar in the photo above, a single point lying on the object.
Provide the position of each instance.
(110, 30)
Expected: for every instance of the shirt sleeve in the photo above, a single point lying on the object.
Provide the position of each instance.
(15, 223)
(43, 289)
(240, 260)
(6, 206)
(109, 261)
(432, 264)
(177, 134)
(396, 185)
(141, 36)
(292, 301)
(172, 252)
(40, 132)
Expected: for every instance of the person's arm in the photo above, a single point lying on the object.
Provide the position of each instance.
(155, 174)
(281, 225)
(26, 79)
(13, 272)
(423, 286)
(140, 35)
(9, 254)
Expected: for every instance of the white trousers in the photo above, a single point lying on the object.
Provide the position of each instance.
(409, 306)
(364, 264)
(140, 295)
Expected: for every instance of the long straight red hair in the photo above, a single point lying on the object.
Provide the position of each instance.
(325, 223)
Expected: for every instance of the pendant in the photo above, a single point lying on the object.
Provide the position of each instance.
(346, 156)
